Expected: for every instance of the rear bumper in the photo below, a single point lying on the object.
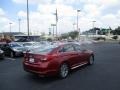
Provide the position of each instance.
(18, 53)
(42, 70)
(1, 55)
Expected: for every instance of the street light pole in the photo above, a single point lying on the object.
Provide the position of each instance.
(19, 20)
(78, 23)
(56, 21)
(56, 28)
(10, 27)
(56, 15)
(93, 25)
(49, 31)
(28, 19)
(74, 26)
(53, 28)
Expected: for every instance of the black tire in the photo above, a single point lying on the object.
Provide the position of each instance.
(2, 58)
(63, 70)
(91, 60)
(12, 54)
(119, 42)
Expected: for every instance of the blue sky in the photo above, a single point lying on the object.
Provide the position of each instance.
(105, 12)
(11, 8)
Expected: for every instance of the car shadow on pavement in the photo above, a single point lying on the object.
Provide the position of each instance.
(50, 79)
(42, 80)
(78, 69)
(1, 60)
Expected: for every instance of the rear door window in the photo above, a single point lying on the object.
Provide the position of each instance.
(79, 47)
(67, 48)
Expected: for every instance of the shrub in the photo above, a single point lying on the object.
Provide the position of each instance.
(115, 37)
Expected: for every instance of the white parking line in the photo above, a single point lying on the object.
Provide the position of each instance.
(10, 59)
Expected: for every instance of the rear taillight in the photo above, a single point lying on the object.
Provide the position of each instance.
(25, 55)
(38, 58)
(48, 57)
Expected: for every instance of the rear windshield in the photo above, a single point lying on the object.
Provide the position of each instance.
(14, 45)
(43, 50)
(27, 44)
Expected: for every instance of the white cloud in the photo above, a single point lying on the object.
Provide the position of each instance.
(85, 23)
(32, 1)
(110, 20)
(63, 10)
(4, 22)
(46, 8)
(118, 14)
(22, 14)
(98, 2)
(101, 2)
(42, 18)
(109, 2)
(38, 22)
(101, 5)
(65, 1)
(2, 13)
(92, 10)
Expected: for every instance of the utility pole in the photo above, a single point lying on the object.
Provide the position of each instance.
(74, 26)
(19, 20)
(56, 15)
(93, 25)
(10, 26)
(78, 24)
(53, 25)
(28, 19)
(49, 31)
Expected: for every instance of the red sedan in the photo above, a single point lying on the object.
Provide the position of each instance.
(57, 59)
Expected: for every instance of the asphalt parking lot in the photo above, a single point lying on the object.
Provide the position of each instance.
(103, 75)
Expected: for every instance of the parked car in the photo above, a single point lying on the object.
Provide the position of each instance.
(1, 54)
(119, 42)
(32, 45)
(99, 38)
(57, 59)
(12, 49)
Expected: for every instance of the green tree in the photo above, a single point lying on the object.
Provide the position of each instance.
(115, 37)
(116, 31)
(73, 34)
(64, 36)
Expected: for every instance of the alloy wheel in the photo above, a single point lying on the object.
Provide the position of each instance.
(91, 61)
(64, 70)
(12, 54)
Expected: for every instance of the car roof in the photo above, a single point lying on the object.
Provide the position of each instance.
(66, 43)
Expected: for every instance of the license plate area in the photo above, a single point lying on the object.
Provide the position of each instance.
(31, 60)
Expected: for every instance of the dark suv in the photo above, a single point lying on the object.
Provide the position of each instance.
(12, 49)
(1, 54)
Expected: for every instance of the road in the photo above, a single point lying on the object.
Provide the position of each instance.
(103, 75)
